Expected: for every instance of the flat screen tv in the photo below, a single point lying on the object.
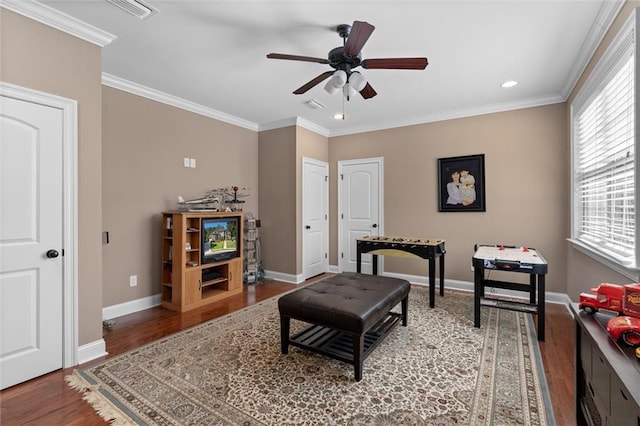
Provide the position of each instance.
(220, 239)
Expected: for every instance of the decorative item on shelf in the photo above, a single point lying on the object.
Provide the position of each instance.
(252, 260)
(209, 202)
(233, 195)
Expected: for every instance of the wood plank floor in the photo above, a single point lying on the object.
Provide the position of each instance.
(49, 401)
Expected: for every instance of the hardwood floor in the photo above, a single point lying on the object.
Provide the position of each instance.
(49, 401)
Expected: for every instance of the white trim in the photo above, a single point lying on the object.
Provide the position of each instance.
(130, 307)
(466, 286)
(158, 96)
(287, 278)
(302, 122)
(91, 351)
(69, 110)
(278, 124)
(633, 273)
(58, 20)
(608, 12)
(455, 114)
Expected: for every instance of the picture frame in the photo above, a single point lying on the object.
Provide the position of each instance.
(461, 184)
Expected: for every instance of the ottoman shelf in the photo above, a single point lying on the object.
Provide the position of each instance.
(350, 314)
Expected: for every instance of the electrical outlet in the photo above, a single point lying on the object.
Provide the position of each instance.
(186, 161)
(192, 163)
(133, 280)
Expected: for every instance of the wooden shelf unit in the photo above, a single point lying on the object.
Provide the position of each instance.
(186, 283)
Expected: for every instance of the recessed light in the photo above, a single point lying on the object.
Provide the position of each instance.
(338, 116)
(508, 84)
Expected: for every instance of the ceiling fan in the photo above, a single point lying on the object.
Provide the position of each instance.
(347, 57)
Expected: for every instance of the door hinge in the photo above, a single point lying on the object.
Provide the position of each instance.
(63, 252)
(341, 215)
(326, 178)
(342, 255)
(325, 255)
(341, 176)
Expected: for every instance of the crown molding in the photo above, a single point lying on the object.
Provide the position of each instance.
(455, 114)
(155, 95)
(58, 20)
(278, 124)
(606, 15)
(303, 122)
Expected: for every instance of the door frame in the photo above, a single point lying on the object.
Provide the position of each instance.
(341, 164)
(69, 108)
(325, 228)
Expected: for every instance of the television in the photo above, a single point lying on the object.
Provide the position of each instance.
(220, 239)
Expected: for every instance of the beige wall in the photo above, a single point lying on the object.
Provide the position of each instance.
(41, 58)
(526, 159)
(583, 271)
(144, 143)
(278, 204)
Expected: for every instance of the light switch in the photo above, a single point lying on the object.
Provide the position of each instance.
(192, 163)
(186, 162)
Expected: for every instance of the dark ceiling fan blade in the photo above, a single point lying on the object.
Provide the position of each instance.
(360, 32)
(395, 63)
(302, 89)
(297, 58)
(368, 92)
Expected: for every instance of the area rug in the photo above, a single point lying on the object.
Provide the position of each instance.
(439, 370)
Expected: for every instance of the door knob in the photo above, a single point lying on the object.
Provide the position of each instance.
(375, 225)
(307, 227)
(52, 253)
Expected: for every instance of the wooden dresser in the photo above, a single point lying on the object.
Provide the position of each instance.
(607, 375)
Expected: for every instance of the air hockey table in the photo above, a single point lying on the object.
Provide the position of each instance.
(516, 259)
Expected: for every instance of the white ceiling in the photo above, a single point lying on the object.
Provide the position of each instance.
(213, 54)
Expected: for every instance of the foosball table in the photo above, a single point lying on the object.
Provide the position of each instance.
(512, 259)
(423, 248)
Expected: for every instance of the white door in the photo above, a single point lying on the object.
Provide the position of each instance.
(31, 240)
(315, 220)
(359, 210)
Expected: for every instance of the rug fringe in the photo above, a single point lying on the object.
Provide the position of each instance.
(91, 393)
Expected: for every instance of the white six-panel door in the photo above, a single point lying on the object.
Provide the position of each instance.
(359, 210)
(31, 240)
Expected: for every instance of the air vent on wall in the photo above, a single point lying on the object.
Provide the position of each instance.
(135, 7)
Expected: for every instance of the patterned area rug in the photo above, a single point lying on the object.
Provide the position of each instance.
(439, 370)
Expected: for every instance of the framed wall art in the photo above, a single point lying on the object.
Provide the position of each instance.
(461, 184)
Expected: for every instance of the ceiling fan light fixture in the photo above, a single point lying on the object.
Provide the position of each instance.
(336, 82)
(348, 91)
(357, 81)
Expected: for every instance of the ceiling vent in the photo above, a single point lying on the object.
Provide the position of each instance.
(313, 104)
(136, 8)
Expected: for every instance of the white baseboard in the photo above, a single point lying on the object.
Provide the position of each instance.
(130, 307)
(92, 351)
(287, 278)
(551, 297)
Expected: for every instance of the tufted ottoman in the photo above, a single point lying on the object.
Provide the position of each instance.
(350, 315)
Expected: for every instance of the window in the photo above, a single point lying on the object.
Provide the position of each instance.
(604, 163)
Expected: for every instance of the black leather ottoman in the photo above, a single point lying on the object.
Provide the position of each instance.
(350, 315)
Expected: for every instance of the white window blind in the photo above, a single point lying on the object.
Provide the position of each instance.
(604, 155)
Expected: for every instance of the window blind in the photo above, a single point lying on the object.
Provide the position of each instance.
(604, 162)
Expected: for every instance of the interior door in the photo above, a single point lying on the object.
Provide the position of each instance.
(31, 240)
(315, 221)
(359, 210)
